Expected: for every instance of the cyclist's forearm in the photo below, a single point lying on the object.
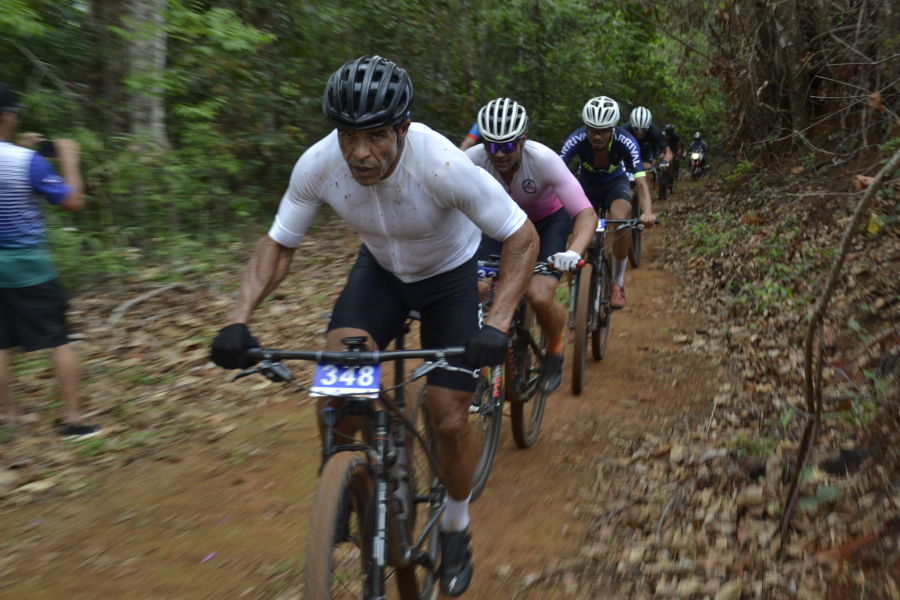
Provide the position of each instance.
(583, 233)
(516, 267)
(644, 195)
(265, 271)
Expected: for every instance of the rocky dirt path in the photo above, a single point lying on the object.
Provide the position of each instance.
(222, 512)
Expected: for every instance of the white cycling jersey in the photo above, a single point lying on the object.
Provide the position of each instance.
(423, 220)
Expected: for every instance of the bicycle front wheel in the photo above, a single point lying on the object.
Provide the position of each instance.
(583, 306)
(526, 414)
(663, 184)
(634, 254)
(600, 335)
(339, 563)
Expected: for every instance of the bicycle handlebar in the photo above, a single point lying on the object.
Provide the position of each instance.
(354, 357)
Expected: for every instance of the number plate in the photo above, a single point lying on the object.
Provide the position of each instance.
(601, 224)
(358, 380)
(488, 273)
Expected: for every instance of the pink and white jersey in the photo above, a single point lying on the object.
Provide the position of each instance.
(541, 185)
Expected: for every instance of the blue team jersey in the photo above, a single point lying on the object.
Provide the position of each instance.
(24, 173)
(624, 154)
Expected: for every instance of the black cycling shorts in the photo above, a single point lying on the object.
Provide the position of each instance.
(604, 194)
(33, 317)
(377, 302)
(554, 233)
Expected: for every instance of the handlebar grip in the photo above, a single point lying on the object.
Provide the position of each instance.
(255, 353)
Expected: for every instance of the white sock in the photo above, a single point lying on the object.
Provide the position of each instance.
(619, 271)
(456, 516)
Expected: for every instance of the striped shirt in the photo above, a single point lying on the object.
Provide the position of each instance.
(23, 174)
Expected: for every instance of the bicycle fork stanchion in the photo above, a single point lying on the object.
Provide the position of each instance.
(382, 422)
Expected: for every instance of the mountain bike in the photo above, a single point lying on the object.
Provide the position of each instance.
(373, 525)
(662, 179)
(589, 309)
(517, 381)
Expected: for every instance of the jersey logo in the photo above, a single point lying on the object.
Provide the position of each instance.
(53, 180)
(529, 186)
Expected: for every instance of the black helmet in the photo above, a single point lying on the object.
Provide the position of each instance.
(366, 93)
(697, 136)
(670, 129)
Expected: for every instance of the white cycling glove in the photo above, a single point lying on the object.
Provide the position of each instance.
(565, 261)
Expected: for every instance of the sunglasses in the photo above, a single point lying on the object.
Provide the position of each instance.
(505, 147)
(603, 131)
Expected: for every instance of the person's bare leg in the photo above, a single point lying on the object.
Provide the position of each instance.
(7, 406)
(620, 210)
(550, 314)
(457, 450)
(66, 364)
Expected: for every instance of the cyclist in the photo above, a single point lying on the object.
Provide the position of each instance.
(472, 138)
(674, 141)
(419, 206)
(607, 152)
(650, 139)
(542, 186)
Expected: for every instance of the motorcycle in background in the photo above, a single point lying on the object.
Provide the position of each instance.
(698, 164)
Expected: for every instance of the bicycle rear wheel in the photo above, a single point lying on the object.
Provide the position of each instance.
(583, 307)
(526, 413)
(339, 563)
(634, 254)
(600, 335)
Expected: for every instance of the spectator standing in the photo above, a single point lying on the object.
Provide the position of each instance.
(32, 304)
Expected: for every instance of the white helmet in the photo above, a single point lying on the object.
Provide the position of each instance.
(502, 120)
(641, 118)
(600, 112)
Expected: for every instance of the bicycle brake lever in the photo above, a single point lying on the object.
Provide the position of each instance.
(275, 371)
(244, 374)
(426, 368)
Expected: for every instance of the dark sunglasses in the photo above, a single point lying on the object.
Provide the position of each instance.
(505, 147)
(599, 131)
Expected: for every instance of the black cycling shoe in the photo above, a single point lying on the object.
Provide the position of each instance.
(551, 376)
(456, 561)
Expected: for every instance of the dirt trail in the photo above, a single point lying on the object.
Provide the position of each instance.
(228, 519)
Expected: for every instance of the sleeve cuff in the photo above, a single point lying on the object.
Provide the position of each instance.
(283, 236)
(640, 174)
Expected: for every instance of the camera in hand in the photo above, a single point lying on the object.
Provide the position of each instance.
(47, 148)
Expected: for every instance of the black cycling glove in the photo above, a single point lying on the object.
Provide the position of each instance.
(486, 348)
(229, 349)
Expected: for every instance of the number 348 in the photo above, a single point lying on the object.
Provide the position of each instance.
(349, 376)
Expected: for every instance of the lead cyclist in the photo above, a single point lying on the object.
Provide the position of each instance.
(541, 184)
(420, 207)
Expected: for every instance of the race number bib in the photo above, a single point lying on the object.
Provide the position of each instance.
(357, 380)
(488, 273)
(601, 224)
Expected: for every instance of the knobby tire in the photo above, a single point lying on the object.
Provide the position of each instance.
(634, 253)
(600, 335)
(583, 307)
(528, 411)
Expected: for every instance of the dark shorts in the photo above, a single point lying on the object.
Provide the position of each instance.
(377, 302)
(604, 194)
(33, 317)
(553, 231)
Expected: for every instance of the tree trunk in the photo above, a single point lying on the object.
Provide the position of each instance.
(792, 48)
(110, 69)
(147, 61)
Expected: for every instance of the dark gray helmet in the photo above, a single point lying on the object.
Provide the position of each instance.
(670, 129)
(697, 136)
(366, 93)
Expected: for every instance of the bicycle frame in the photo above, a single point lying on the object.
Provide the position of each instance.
(385, 449)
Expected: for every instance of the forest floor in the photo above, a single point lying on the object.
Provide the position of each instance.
(201, 488)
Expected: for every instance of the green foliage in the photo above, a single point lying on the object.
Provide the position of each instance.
(243, 83)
